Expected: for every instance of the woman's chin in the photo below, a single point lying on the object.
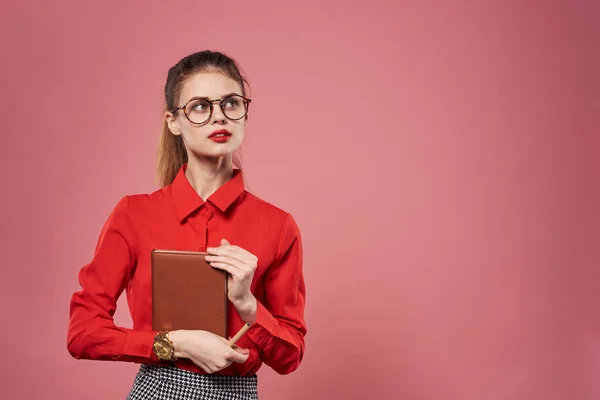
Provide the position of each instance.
(215, 154)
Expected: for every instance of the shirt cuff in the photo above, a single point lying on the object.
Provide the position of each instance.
(139, 344)
(264, 328)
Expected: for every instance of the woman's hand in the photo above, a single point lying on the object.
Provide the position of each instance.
(207, 350)
(241, 265)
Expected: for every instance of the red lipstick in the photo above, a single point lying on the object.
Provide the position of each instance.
(220, 136)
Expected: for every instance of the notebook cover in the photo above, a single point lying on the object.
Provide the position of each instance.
(187, 293)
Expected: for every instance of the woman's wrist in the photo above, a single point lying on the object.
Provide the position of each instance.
(179, 340)
(247, 309)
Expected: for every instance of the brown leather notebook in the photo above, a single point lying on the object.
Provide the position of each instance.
(187, 293)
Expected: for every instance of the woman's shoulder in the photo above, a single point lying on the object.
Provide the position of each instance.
(261, 205)
(269, 210)
(149, 201)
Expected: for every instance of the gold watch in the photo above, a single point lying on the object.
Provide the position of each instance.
(163, 346)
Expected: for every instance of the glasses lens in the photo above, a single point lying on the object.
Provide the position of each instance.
(234, 107)
(198, 111)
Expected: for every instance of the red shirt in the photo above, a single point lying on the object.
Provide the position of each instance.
(175, 217)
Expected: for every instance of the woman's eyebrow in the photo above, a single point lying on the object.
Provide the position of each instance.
(222, 97)
(230, 94)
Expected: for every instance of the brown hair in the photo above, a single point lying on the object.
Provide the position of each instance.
(171, 153)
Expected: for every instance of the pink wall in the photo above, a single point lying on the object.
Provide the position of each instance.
(443, 168)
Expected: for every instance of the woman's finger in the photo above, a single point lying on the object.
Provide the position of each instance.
(238, 357)
(233, 251)
(228, 260)
(226, 251)
(240, 349)
(245, 252)
(234, 272)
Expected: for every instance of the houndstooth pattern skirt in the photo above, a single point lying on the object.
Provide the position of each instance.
(158, 382)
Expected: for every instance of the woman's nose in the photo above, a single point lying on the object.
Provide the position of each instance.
(218, 115)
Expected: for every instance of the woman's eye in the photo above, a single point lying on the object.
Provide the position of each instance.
(199, 107)
(232, 103)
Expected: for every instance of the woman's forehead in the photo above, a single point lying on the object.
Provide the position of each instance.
(209, 84)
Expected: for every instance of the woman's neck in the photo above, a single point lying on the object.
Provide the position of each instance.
(206, 175)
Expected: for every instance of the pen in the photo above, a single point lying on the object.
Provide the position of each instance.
(239, 334)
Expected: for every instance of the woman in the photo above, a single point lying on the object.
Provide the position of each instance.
(202, 206)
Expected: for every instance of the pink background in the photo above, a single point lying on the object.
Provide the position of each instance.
(441, 159)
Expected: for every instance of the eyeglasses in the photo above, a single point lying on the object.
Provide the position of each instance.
(199, 110)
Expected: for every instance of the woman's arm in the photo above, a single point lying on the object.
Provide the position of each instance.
(278, 328)
(92, 333)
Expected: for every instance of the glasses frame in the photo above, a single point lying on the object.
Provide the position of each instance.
(245, 99)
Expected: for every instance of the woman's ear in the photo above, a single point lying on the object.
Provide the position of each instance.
(172, 123)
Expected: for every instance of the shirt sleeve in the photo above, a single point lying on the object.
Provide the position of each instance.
(280, 328)
(92, 333)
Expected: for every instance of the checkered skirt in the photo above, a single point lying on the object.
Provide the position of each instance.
(159, 382)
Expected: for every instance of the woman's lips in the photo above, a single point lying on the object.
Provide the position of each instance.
(220, 136)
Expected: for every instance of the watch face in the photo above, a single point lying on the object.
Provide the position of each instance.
(161, 349)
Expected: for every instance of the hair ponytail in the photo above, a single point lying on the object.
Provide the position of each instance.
(171, 156)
